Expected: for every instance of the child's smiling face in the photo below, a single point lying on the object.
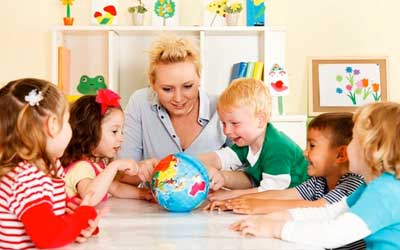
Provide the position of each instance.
(111, 134)
(241, 125)
(320, 153)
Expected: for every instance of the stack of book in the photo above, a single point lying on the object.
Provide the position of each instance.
(247, 70)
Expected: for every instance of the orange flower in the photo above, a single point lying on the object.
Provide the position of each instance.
(375, 87)
(365, 82)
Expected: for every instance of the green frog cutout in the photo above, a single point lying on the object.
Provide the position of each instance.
(89, 85)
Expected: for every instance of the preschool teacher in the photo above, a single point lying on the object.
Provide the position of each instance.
(173, 114)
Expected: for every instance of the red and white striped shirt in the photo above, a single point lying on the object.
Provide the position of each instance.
(24, 187)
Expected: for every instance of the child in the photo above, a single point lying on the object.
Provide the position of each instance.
(97, 123)
(34, 132)
(327, 138)
(371, 212)
(270, 159)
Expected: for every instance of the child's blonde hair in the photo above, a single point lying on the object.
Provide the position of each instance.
(22, 135)
(172, 49)
(378, 126)
(247, 92)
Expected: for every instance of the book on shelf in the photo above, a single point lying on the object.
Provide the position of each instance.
(64, 68)
(238, 70)
(258, 70)
(250, 69)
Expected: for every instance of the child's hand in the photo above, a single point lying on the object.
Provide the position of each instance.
(216, 205)
(248, 206)
(146, 169)
(217, 179)
(73, 205)
(259, 226)
(145, 194)
(129, 167)
(222, 194)
(93, 225)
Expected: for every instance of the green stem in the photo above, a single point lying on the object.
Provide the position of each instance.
(68, 10)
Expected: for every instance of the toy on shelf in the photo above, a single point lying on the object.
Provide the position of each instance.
(104, 12)
(89, 85)
(68, 20)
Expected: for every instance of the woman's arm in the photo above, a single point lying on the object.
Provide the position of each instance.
(132, 147)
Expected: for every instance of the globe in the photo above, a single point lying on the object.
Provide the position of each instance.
(180, 183)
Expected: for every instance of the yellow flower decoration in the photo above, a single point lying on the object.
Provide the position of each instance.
(258, 2)
(217, 7)
(65, 2)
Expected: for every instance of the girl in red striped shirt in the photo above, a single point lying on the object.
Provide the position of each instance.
(34, 132)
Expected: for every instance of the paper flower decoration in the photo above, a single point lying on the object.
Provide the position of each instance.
(218, 8)
(68, 3)
(164, 8)
(106, 17)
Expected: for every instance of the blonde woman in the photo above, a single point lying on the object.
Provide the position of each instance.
(174, 114)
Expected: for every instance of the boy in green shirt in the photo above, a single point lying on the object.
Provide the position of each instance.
(269, 160)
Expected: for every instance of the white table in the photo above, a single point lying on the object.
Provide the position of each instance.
(133, 224)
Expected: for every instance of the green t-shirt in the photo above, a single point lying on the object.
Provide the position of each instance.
(279, 155)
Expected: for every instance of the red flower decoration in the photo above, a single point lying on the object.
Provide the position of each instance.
(107, 98)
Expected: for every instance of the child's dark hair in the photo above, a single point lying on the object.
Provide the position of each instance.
(22, 135)
(339, 125)
(85, 119)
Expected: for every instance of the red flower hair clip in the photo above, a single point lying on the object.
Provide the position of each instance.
(107, 98)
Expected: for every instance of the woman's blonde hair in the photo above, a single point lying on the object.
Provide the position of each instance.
(246, 92)
(22, 135)
(378, 127)
(172, 49)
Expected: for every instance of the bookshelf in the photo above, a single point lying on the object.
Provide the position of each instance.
(119, 54)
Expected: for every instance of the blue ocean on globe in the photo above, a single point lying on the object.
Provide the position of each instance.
(180, 183)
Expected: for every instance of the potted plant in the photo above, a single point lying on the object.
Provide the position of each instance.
(68, 20)
(232, 13)
(138, 12)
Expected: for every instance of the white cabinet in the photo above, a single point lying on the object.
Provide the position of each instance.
(119, 52)
(294, 126)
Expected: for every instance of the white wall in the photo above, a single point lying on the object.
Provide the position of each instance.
(314, 28)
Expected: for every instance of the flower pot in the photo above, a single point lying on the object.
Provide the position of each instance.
(138, 18)
(232, 19)
(68, 20)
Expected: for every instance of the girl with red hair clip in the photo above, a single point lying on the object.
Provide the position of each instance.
(97, 123)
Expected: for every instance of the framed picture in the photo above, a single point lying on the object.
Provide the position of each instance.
(345, 84)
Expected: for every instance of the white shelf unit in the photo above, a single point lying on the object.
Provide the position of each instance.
(119, 54)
